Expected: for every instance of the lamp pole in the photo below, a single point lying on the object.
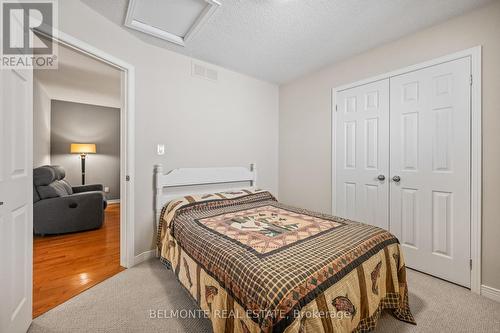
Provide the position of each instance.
(83, 168)
(83, 149)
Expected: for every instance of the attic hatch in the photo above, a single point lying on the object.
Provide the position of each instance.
(173, 20)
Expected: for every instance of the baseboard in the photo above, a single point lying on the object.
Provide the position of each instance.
(113, 201)
(490, 292)
(144, 256)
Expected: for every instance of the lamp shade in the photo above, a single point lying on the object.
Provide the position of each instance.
(83, 148)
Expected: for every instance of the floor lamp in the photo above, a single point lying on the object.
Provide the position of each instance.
(83, 149)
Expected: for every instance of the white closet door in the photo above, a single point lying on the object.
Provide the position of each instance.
(430, 153)
(362, 153)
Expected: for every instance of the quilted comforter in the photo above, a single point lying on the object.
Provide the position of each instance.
(256, 265)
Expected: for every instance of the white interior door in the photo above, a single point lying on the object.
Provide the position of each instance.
(362, 153)
(430, 153)
(16, 197)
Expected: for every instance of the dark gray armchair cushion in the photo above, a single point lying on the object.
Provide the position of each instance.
(53, 190)
(50, 183)
(36, 197)
(86, 188)
(43, 175)
(60, 174)
(59, 171)
(77, 212)
(67, 186)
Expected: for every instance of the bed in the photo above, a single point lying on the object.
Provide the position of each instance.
(253, 264)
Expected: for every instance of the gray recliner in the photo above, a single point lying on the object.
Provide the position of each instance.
(60, 208)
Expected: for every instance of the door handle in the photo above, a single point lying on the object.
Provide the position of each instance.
(396, 179)
(381, 177)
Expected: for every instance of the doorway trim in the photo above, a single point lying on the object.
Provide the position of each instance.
(475, 54)
(127, 137)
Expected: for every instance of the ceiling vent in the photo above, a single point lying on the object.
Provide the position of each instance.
(173, 20)
(201, 71)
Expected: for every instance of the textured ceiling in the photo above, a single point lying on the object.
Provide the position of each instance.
(279, 40)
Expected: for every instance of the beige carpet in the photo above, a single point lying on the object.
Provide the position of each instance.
(123, 303)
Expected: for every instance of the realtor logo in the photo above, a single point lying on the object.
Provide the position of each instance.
(23, 24)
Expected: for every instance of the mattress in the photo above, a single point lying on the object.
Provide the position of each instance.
(253, 264)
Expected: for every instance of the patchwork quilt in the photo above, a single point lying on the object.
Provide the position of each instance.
(256, 265)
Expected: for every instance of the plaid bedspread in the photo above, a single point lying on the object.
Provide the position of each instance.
(256, 265)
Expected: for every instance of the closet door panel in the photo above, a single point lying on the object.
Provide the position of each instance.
(430, 153)
(362, 153)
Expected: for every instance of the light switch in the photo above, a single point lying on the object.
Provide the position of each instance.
(160, 149)
(106, 189)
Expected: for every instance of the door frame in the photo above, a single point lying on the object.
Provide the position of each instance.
(475, 54)
(127, 137)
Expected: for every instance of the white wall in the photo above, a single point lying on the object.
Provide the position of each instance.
(41, 125)
(232, 122)
(78, 93)
(305, 116)
(80, 78)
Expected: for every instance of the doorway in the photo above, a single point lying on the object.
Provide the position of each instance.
(111, 246)
(16, 178)
(76, 134)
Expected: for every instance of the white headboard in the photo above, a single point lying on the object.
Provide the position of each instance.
(185, 180)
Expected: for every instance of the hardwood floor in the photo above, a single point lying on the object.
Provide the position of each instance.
(66, 265)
